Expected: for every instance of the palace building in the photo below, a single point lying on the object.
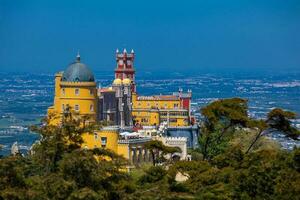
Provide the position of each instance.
(125, 108)
(75, 88)
(122, 107)
(153, 110)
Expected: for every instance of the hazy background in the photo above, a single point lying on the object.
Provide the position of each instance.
(200, 35)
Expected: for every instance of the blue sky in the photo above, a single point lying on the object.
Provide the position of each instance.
(189, 35)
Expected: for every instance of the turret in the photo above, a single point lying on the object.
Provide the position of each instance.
(75, 88)
(78, 57)
(125, 66)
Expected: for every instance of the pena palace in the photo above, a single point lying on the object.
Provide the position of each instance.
(133, 119)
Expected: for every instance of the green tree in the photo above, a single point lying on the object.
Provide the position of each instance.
(280, 120)
(277, 120)
(58, 168)
(153, 174)
(158, 151)
(221, 118)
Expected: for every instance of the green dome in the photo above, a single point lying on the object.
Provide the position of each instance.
(78, 72)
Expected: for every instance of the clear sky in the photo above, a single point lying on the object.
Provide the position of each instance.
(45, 36)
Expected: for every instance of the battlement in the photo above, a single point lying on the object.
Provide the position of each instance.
(135, 141)
(59, 74)
(175, 139)
(76, 84)
(124, 54)
(111, 129)
(158, 97)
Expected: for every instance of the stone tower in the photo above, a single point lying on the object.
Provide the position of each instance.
(125, 68)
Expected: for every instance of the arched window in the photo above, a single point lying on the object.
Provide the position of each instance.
(76, 91)
(91, 107)
(103, 141)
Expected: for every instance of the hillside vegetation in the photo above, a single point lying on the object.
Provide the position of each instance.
(235, 161)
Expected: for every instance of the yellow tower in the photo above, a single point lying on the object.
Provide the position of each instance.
(75, 88)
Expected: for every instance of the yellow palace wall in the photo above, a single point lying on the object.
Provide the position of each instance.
(123, 150)
(148, 103)
(148, 112)
(81, 95)
(146, 117)
(96, 140)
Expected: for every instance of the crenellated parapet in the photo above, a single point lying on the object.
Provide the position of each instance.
(77, 84)
(177, 139)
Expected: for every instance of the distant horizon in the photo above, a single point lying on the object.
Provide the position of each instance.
(174, 73)
(154, 69)
(166, 35)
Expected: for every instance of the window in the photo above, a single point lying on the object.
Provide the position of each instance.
(76, 107)
(144, 120)
(91, 107)
(76, 91)
(175, 105)
(103, 141)
(173, 120)
(96, 136)
(63, 107)
(63, 91)
(91, 92)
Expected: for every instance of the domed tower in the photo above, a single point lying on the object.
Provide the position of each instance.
(75, 88)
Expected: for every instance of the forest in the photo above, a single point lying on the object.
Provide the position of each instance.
(235, 160)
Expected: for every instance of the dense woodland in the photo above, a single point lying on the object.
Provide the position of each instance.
(235, 161)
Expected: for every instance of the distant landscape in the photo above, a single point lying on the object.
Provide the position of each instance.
(150, 100)
(25, 97)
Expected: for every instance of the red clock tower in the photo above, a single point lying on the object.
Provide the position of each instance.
(125, 66)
